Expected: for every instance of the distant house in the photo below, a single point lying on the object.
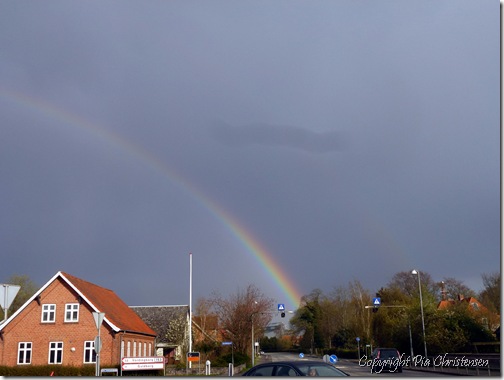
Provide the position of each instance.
(487, 318)
(206, 328)
(56, 326)
(171, 323)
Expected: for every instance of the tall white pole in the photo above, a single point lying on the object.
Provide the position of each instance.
(253, 348)
(416, 272)
(5, 301)
(421, 309)
(190, 305)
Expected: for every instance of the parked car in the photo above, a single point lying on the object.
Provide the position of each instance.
(386, 360)
(295, 368)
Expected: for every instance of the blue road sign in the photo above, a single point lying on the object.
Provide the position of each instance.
(376, 301)
(333, 359)
(301, 355)
(357, 339)
(227, 343)
(281, 307)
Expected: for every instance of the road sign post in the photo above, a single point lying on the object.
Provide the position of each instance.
(281, 309)
(98, 317)
(7, 296)
(232, 354)
(193, 357)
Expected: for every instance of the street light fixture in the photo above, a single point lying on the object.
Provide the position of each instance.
(417, 273)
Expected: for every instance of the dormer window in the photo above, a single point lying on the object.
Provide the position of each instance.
(72, 312)
(475, 306)
(48, 313)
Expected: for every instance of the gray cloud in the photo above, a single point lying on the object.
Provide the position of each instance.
(354, 140)
(279, 136)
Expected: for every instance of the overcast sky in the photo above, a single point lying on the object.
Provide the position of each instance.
(349, 139)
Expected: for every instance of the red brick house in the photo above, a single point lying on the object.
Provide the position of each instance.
(56, 326)
(477, 309)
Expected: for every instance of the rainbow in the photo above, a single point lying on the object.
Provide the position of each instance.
(251, 244)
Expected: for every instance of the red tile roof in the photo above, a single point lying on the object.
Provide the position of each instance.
(472, 304)
(106, 301)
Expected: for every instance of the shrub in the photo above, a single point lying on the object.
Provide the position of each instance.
(47, 370)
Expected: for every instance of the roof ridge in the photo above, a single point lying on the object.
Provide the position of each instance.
(72, 277)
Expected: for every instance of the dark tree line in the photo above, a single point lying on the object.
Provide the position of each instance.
(335, 320)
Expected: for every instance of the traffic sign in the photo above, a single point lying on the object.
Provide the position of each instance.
(97, 344)
(281, 307)
(98, 318)
(301, 355)
(377, 301)
(193, 356)
(227, 343)
(140, 366)
(142, 363)
(8, 294)
(143, 359)
(333, 359)
(357, 339)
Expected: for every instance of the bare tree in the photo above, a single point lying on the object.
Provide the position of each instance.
(491, 295)
(242, 310)
(360, 298)
(450, 288)
(408, 283)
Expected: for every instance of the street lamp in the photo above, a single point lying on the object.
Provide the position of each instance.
(253, 343)
(415, 272)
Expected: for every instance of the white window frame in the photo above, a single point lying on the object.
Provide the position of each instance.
(72, 312)
(89, 352)
(24, 353)
(56, 350)
(49, 313)
(134, 349)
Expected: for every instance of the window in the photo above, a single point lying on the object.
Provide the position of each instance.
(129, 349)
(145, 349)
(72, 312)
(48, 313)
(285, 371)
(134, 348)
(55, 352)
(265, 370)
(150, 349)
(89, 352)
(484, 322)
(24, 353)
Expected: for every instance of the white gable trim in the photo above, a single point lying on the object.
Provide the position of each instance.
(59, 274)
(28, 302)
(112, 326)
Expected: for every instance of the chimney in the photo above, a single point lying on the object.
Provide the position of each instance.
(443, 291)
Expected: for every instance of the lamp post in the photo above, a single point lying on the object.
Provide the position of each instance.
(417, 273)
(253, 348)
(253, 343)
